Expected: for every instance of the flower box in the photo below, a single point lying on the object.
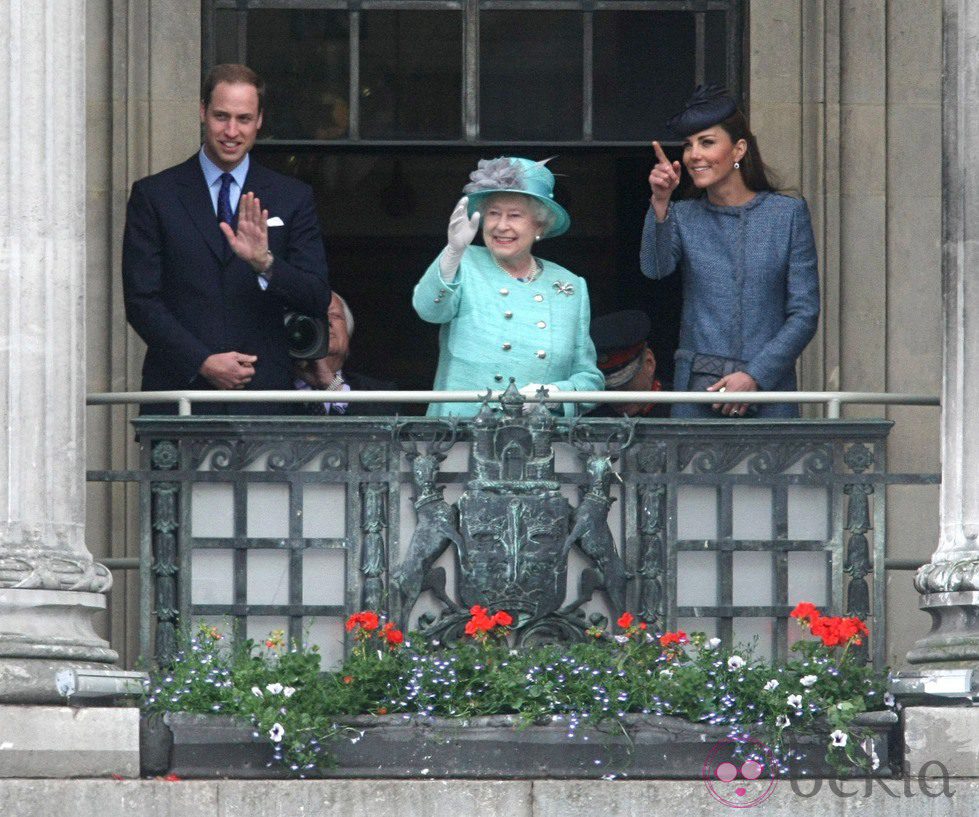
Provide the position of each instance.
(393, 746)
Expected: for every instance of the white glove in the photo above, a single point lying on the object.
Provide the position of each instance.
(530, 390)
(462, 231)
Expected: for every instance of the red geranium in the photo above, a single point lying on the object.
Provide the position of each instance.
(679, 637)
(625, 620)
(805, 611)
(367, 620)
(482, 623)
(831, 630)
(393, 635)
(502, 618)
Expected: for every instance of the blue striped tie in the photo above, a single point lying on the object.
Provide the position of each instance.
(224, 200)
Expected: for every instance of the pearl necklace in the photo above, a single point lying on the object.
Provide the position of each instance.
(533, 272)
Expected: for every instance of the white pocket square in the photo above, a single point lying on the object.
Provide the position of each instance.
(275, 221)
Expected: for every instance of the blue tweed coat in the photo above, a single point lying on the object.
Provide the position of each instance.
(495, 327)
(750, 286)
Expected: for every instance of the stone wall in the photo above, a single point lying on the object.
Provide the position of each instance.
(845, 97)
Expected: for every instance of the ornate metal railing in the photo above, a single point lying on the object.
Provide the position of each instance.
(261, 524)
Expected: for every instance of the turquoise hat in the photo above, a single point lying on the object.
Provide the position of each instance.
(511, 174)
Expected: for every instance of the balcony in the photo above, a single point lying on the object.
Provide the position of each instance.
(257, 524)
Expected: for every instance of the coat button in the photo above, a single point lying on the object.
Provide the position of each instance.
(538, 298)
(508, 315)
(541, 325)
(506, 347)
(438, 300)
(504, 291)
(541, 354)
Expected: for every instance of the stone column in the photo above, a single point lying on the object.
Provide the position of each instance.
(50, 587)
(949, 584)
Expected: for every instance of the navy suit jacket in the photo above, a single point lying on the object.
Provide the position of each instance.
(189, 296)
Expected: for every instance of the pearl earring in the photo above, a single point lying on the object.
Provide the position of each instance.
(536, 238)
(737, 165)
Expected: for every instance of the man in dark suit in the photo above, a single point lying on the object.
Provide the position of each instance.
(328, 372)
(215, 250)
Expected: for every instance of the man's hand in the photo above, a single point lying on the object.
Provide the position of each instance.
(315, 372)
(736, 381)
(251, 242)
(228, 370)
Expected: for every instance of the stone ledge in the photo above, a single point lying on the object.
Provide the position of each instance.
(458, 798)
(61, 741)
(942, 734)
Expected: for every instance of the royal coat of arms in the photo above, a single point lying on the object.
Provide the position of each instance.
(512, 529)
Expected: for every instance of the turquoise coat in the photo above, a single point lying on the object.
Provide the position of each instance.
(495, 327)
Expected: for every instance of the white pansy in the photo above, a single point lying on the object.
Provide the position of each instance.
(808, 680)
(257, 692)
(735, 662)
(288, 691)
(276, 733)
(782, 721)
(773, 684)
(888, 699)
(622, 639)
(838, 737)
(275, 689)
(713, 643)
(795, 701)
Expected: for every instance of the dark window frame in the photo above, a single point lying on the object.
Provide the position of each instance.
(734, 10)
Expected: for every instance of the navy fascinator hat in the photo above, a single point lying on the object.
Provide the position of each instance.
(708, 105)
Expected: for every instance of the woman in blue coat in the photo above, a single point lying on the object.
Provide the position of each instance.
(747, 257)
(503, 311)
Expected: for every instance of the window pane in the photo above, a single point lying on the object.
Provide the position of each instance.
(530, 81)
(226, 36)
(644, 71)
(303, 56)
(715, 49)
(411, 75)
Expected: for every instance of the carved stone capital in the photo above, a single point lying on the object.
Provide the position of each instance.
(949, 576)
(34, 568)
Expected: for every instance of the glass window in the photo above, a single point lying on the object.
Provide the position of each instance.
(304, 58)
(225, 36)
(715, 48)
(530, 75)
(411, 75)
(644, 71)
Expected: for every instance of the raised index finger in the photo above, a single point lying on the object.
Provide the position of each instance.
(659, 153)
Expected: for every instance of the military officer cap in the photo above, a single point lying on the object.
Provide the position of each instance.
(620, 339)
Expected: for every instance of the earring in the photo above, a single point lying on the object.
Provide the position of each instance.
(536, 238)
(737, 165)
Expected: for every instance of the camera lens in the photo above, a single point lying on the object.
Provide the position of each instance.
(308, 338)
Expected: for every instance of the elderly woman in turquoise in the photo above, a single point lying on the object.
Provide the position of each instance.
(503, 311)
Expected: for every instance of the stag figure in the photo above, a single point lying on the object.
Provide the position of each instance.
(437, 526)
(589, 521)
